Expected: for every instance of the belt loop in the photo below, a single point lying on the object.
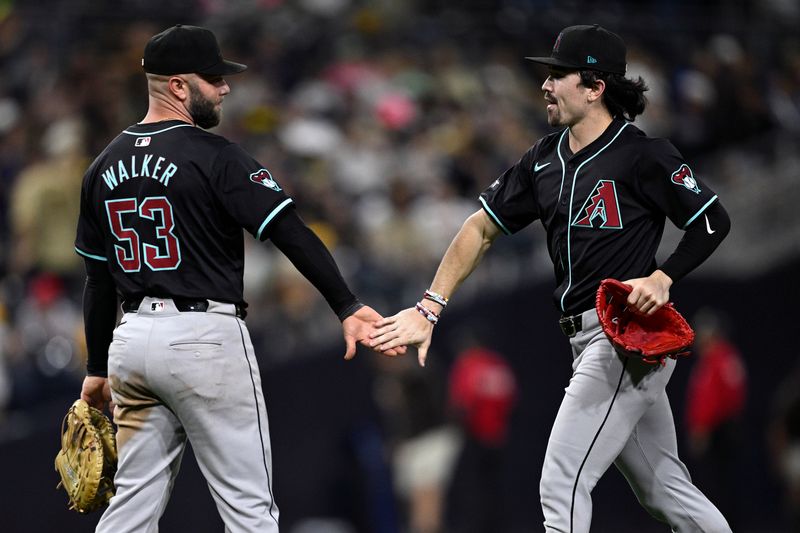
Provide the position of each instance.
(570, 325)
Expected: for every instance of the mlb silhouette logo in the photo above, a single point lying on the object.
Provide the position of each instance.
(142, 141)
(156, 307)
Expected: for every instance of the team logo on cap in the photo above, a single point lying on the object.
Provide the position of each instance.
(683, 176)
(558, 42)
(263, 177)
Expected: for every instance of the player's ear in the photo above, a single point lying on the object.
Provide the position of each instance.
(596, 90)
(179, 87)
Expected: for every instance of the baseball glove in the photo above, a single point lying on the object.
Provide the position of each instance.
(651, 338)
(87, 460)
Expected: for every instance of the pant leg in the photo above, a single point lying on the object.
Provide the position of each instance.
(606, 397)
(650, 463)
(150, 439)
(216, 393)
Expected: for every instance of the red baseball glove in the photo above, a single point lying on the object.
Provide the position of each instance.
(651, 338)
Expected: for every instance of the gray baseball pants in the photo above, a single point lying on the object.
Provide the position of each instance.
(616, 410)
(176, 376)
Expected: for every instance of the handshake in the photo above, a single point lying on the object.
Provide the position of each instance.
(391, 336)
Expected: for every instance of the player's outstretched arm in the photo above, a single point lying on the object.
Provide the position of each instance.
(357, 328)
(313, 260)
(409, 327)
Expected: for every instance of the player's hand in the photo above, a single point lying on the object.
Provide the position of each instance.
(650, 293)
(97, 393)
(406, 328)
(357, 328)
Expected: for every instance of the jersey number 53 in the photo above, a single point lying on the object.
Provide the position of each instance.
(166, 255)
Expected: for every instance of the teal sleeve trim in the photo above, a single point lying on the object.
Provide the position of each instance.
(90, 256)
(700, 212)
(272, 215)
(494, 217)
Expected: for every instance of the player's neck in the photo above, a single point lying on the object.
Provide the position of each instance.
(588, 129)
(159, 112)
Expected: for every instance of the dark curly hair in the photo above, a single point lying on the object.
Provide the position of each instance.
(623, 97)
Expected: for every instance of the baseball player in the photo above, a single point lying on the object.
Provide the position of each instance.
(162, 212)
(602, 189)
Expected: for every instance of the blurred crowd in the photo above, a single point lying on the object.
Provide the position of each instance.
(384, 120)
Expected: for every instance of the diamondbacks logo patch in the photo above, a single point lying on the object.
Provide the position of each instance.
(263, 177)
(602, 206)
(683, 176)
(558, 42)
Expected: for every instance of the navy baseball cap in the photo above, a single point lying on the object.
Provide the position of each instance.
(587, 47)
(186, 50)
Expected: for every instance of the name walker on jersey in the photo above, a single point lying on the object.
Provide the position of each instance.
(139, 166)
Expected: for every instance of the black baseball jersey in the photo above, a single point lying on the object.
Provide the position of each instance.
(165, 204)
(604, 207)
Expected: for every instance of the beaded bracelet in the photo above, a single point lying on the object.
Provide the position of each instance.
(435, 297)
(432, 317)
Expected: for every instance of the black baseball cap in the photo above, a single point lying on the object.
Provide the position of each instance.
(186, 50)
(587, 47)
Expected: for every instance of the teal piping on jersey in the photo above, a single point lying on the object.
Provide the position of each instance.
(272, 215)
(700, 212)
(496, 219)
(569, 225)
(159, 131)
(90, 256)
(563, 166)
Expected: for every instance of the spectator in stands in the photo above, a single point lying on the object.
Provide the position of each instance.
(715, 402)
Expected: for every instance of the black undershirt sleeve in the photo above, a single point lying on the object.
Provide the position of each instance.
(99, 315)
(698, 243)
(310, 256)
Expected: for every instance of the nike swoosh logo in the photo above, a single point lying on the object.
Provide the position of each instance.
(537, 167)
(708, 226)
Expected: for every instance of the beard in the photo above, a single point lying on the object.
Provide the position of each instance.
(554, 119)
(202, 109)
(554, 116)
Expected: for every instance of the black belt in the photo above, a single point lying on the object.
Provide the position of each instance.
(184, 305)
(570, 325)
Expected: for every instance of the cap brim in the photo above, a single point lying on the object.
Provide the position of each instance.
(224, 68)
(563, 64)
(553, 62)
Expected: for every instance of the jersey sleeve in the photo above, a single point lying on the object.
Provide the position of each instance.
(248, 191)
(510, 201)
(669, 183)
(89, 241)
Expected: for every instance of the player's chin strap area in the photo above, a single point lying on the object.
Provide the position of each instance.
(184, 305)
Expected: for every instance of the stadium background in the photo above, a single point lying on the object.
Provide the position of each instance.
(384, 120)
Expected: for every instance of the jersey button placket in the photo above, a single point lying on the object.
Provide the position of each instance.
(570, 171)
